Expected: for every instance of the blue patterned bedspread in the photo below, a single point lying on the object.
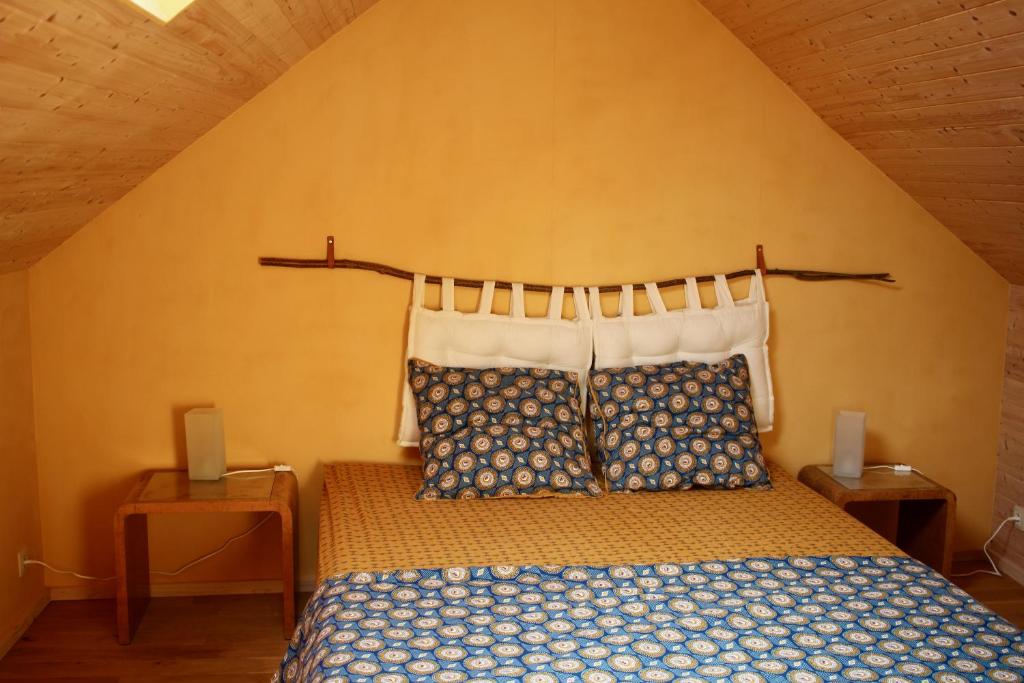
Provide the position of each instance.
(767, 619)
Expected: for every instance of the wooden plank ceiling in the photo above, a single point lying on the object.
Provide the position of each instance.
(932, 91)
(95, 95)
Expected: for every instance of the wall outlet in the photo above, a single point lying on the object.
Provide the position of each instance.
(22, 557)
(1018, 511)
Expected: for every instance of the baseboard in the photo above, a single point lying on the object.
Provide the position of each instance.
(169, 590)
(8, 640)
(1010, 569)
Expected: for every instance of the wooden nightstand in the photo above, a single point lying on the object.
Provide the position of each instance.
(912, 511)
(172, 491)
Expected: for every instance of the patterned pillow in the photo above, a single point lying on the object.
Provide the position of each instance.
(500, 432)
(676, 426)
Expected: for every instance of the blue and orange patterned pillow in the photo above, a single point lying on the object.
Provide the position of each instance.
(500, 432)
(677, 426)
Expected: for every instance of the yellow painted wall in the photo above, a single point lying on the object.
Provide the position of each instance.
(576, 141)
(20, 598)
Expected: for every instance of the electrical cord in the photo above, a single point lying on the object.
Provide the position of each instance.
(895, 468)
(234, 472)
(995, 570)
(207, 556)
(68, 571)
(177, 571)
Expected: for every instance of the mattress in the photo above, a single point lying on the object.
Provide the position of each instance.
(760, 586)
(370, 521)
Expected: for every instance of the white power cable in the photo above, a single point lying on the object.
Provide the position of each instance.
(275, 468)
(68, 571)
(234, 472)
(181, 569)
(215, 552)
(995, 570)
(895, 468)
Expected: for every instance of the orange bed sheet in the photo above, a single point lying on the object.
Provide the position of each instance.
(369, 521)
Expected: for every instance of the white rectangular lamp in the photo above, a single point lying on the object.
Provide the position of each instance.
(204, 440)
(848, 444)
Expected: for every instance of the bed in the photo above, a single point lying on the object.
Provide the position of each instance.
(744, 585)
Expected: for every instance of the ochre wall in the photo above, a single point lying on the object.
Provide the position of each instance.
(20, 598)
(577, 141)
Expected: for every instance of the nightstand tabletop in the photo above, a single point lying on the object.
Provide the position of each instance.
(883, 484)
(173, 491)
(177, 487)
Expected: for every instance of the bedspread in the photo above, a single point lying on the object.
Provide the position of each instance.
(369, 521)
(816, 618)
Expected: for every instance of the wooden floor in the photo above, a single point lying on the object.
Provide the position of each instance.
(1002, 595)
(230, 638)
(221, 638)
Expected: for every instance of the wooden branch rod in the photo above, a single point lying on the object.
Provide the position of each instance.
(331, 263)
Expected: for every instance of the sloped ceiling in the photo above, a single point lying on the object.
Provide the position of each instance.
(95, 95)
(932, 91)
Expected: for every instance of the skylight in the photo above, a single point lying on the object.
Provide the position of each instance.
(164, 10)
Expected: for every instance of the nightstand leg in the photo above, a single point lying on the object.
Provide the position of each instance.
(288, 559)
(882, 516)
(131, 549)
(926, 532)
(949, 537)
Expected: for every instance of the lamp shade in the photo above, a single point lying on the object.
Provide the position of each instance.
(848, 444)
(204, 439)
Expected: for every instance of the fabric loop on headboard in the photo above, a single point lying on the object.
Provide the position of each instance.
(756, 287)
(555, 303)
(722, 293)
(447, 294)
(579, 300)
(486, 298)
(692, 294)
(418, 285)
(517, 306)
(626, 302)
(654, 297)
(595, 303)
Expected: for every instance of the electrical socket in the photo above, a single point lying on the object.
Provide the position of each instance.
(22, 558)
(1018, 511)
